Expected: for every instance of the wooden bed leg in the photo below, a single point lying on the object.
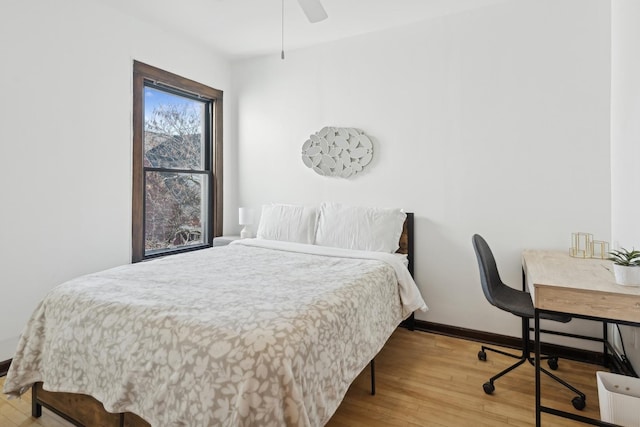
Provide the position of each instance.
(36, 408)
(373, 377)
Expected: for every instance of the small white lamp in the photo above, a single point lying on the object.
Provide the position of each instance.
(245, 217)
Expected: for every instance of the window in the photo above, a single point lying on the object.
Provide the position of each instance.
(177, 163)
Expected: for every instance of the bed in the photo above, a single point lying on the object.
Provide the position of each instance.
(263, 332)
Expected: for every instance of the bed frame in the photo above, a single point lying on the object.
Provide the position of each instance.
(83, 410)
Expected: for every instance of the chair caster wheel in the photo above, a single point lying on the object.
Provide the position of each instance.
(488, 388)
(482, 355)
(578, 403)
(553, 363)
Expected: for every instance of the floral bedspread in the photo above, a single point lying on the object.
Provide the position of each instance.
(233, 336)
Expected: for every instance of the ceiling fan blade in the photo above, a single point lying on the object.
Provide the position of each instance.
(313, 9)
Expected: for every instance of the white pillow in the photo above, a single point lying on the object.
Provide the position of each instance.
(360, 228)
(289, 223)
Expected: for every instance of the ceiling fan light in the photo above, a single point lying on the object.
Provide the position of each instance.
(314, 10)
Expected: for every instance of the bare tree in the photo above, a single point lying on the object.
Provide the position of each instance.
(173, 140)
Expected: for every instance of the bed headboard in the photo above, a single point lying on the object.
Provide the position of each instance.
(406, 240)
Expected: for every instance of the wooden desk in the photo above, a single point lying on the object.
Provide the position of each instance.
(584, 288)
(558, 282)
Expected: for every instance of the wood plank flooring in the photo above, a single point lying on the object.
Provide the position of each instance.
(423, 379)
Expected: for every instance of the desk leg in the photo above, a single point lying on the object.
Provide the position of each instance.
(537, 351)
(605, 340)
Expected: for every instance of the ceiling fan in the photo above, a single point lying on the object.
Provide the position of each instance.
(313, 9)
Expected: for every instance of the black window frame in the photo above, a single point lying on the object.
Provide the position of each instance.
(148, 76)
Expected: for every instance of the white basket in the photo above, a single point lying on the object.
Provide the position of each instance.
(619, 398)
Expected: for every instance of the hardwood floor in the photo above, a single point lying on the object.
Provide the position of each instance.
(431, 380)
(423, 379)
(17, 413)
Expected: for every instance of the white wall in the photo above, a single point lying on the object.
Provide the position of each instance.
(494, 121)
(625, 138)
(65, 141)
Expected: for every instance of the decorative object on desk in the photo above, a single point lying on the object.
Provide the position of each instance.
(626, 266)
(619, 398)
(245, 217)
(599, 249)
(341, 152)
(581, 244)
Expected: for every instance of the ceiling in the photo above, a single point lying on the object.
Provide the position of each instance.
(245, 28)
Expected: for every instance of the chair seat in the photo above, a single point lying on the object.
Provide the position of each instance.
(519, 303)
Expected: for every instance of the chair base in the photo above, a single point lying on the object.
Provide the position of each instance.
(578, 402)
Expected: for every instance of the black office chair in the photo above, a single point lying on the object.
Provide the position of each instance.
(518, 303)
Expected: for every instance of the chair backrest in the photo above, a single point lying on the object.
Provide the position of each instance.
(489, 276)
